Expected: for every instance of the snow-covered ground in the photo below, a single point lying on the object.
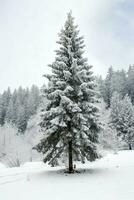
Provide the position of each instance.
(110, 178)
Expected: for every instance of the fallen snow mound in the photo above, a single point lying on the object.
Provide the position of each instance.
(109, 178)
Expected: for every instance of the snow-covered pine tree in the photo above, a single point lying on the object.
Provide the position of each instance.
(10, 112)
(122, 118)
(116, 106)
(34, 100)
(108, 89)
(126, 124)
(119, 83)
(4, 102)
(21, 119)
(130, 83)
(70, 121)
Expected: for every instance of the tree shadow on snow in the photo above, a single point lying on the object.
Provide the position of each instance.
(53, 173)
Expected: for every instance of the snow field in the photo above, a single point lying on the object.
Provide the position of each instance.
(109, 178)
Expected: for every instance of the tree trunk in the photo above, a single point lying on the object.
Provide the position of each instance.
(70, 156)
(130, 147)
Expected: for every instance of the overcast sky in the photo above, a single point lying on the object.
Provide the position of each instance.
(28, 34)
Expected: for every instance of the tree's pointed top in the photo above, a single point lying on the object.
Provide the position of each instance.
(69, 14)
(70, 19)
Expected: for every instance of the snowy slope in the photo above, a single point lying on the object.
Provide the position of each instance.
(110, 178)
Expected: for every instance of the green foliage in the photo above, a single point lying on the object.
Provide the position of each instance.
(71, 114)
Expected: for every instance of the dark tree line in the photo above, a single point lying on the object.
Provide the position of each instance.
(18, 106)
(119, 81)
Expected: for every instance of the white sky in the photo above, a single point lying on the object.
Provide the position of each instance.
(28, 34)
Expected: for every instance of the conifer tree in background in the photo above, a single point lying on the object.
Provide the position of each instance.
(4, 102)
(122, 118)
(70, 121)
(116, 106)
(108, 87)
(126, 125)
(130, 83)
(119, 83)
(10, 112)
(17, 108)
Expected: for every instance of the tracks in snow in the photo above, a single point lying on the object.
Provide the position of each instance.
(13, 177)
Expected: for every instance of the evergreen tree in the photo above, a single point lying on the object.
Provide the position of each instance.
(100, 86)
(10, 112)
(119, 83)
(34, 100)
(21, 95)
(126, 122)
(4, 102)
(21, 111)
(16, 105)
(70, 121)
(21, 119)
(122, 118)
(21, 100)
(108, 90)
(116, 81)
(130, 83)
(116, 106)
